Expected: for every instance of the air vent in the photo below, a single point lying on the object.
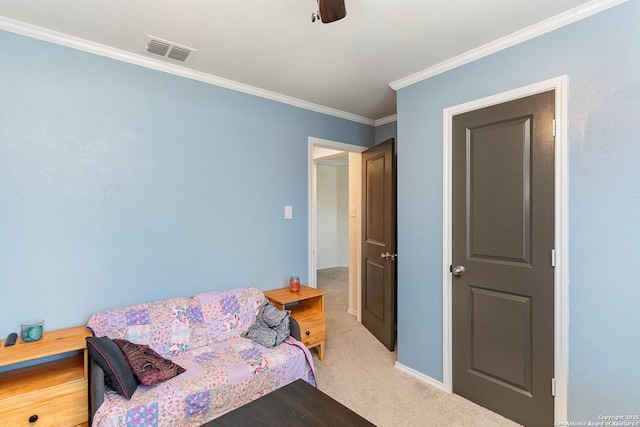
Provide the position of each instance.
(179, 54)
(167, 49)
(157, 47)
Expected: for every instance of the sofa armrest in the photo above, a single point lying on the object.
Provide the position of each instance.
(294, 327)
(96, 386)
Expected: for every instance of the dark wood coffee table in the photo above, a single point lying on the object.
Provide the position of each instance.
(296, 404)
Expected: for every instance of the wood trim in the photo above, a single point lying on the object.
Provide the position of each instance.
(419, 376)
(62, 39)
(551, 24)
(561, 277)
(311, 205)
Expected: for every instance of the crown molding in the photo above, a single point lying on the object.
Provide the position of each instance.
(558, 21)
(62, 39)
(385, 120)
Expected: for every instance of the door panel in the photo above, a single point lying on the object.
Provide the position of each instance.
(501, 345)
(499, 205)
(375, 195)
(375, 295)
(503, 234)
(379, 242)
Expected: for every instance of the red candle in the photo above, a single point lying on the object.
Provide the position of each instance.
(294, 284)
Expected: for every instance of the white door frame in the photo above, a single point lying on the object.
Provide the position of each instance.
(561, 277)
(311, 170)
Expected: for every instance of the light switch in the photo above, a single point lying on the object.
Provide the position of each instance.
(288, 212)
(352, 211)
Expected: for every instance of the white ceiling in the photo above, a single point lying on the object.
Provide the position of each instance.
(271, 47)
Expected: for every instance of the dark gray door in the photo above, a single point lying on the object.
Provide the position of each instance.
(379, 242)
(502, 242)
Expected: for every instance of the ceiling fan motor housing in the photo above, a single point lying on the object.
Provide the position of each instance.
(332, 10)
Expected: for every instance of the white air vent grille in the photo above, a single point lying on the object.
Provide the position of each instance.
(167, 49)
(157, 47)
(179, 54)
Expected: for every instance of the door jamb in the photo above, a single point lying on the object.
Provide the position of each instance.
(312, 220)
(561, 276)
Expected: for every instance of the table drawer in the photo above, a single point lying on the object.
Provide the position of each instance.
(63, 406)
(312, 329)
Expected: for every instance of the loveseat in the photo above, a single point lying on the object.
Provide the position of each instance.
(216, 368)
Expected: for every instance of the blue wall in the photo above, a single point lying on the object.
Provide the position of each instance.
(119, 184)
(386, 131)
(601, 56)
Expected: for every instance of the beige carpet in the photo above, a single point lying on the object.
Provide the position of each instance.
(359, 372)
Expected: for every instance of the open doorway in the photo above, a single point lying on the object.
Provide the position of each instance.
(334, 214)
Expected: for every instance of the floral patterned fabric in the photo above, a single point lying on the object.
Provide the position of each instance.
(203, 335)
(170, 327)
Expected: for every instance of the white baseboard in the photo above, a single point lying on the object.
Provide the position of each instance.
(422, 377)
(353, 312)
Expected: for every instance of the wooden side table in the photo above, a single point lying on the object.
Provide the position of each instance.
(51, 393)
(307, 307)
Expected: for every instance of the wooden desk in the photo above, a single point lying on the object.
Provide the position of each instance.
(307, 307)
(295, 405)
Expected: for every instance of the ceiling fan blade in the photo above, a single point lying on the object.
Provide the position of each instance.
(332, 10)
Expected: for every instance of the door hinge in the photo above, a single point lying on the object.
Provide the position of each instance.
(554, 128)
(553, 387)
(553, 257)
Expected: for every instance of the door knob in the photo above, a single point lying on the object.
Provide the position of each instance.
(385, 255)
(458, 270)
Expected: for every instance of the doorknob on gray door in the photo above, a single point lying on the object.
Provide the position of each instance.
(458, 270)
(388, 255)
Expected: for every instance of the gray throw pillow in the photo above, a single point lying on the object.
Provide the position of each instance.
(116, 368)
(271, 327)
